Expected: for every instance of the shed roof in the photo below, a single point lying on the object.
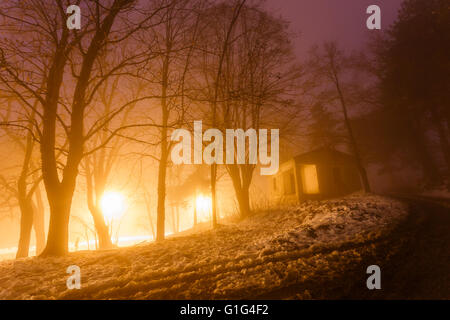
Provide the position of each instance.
(324, 155)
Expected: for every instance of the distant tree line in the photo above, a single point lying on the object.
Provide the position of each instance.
(398, 97)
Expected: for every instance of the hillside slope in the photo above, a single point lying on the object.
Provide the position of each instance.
(304, 251)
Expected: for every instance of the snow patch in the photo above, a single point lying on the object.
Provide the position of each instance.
(264, 252)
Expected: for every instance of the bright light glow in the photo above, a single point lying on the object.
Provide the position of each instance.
(309, 179)
(204, 206)
(112, 205)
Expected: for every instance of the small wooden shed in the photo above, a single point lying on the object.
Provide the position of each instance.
(318, 174)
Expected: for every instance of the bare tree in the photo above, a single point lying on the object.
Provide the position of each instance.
(255, 76)
(27, 187)
(173, 40)
(54, 50)
(98, 165)
(222, 46)
(330, 65)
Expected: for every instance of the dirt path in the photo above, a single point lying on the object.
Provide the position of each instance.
(414, 261)
(419, 267)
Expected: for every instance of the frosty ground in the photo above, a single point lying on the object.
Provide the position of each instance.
(311, 250)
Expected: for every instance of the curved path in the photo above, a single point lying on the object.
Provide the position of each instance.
(420, 268)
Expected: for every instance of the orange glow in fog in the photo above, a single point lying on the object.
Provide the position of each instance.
(113, 205)
(204, 206)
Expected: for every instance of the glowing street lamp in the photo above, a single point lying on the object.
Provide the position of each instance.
(203, 205)
(113, 205)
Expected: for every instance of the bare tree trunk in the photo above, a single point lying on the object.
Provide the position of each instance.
(86, 234)
(177, 226)
(162, 172)
(172, 215)
(104, 237)
(149, 214)
(241, 189)
(244, 202)
(25, 201)
(213, 194)
(354, 145)
(160, 219)
(59, 199)
(236, 14)
(26, 224)
(39, 222)
(96, 241)
(58, 234)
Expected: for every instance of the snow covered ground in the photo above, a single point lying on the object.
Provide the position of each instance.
(268, 252)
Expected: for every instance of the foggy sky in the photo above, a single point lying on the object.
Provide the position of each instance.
(325, 20)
